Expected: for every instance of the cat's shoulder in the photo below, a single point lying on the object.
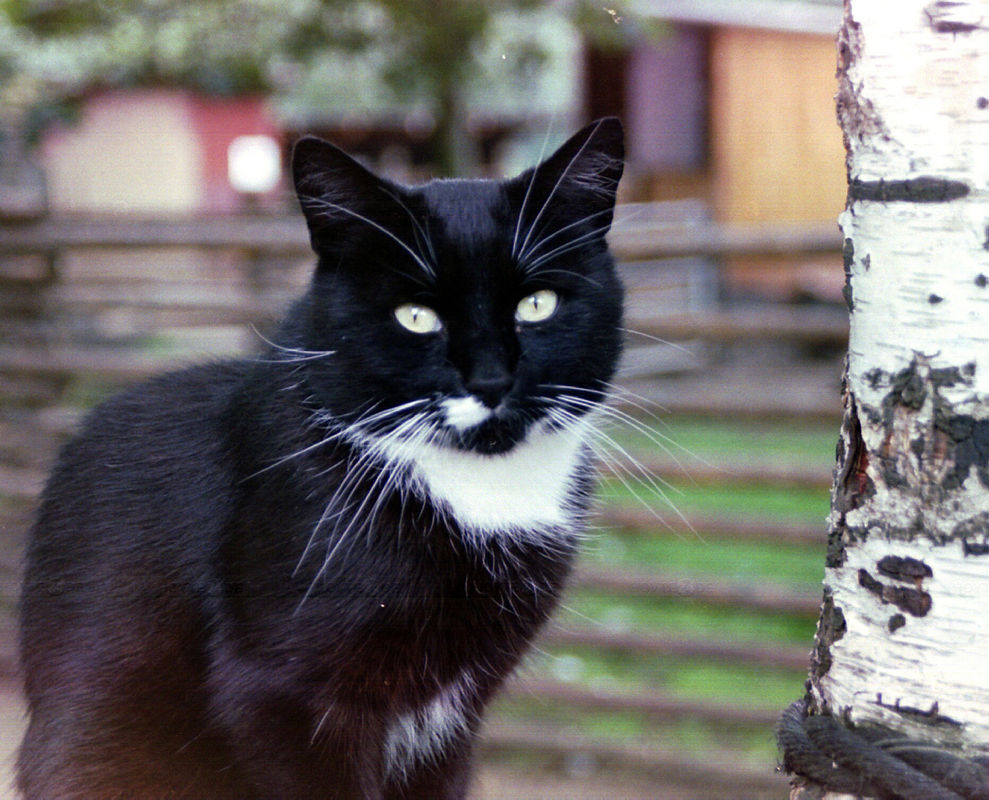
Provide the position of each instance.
(173, 415)
(165, 433)
(181, 393)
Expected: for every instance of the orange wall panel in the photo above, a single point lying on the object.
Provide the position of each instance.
(777, 152)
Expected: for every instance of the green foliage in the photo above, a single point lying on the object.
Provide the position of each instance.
(218, 46)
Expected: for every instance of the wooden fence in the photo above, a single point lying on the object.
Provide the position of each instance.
(87, 305)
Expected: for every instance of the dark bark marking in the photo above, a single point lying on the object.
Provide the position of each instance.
(918, 447)
(852, 481)
(908, 389)
(975, 548)
(892, 475)
(896, 622)
(835, 555)
(950, 376)
(931, 716)
(936, 13)
(982, 103)
(915, 602)
(924, 189)
(960, 442)
(904, 568)
(934, 299)
(981, 280)
(970, 438)
(949, 26)
(874, 377)
(974, 527)
(965, 440)
(830, 628)
(870, 584)
(848, 257)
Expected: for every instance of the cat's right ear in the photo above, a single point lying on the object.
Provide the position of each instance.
(333, 188)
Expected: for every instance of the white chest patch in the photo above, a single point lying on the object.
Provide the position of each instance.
(419, 735)
(526, 489)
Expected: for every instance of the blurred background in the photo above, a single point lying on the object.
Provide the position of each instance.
(146, 221)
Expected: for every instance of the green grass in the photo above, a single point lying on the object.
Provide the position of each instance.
(675, 617)
(689, 554)
(793, 504)
(685, 678)
(694, 440)
(689, 735)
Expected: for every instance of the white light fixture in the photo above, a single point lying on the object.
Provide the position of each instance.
(254, 164)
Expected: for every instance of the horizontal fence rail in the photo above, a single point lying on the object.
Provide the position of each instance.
(662, 646)
(654, 586)
(720, 773)
(288, 235)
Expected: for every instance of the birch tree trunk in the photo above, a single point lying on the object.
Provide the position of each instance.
(903, 638)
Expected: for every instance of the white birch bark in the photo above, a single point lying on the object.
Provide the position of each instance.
(904, 633)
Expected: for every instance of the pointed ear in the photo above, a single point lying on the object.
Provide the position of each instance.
(334, 190)
(580, 180)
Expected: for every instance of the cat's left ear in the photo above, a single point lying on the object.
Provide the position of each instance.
(581, 178)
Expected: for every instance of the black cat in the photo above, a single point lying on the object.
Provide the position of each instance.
(304, 575)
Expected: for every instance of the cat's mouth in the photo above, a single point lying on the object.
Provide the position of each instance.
(491, 438)
(472, 425)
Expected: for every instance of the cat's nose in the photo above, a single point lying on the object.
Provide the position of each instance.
(490, 385)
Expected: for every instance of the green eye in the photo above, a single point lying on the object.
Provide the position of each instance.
(537, 307)
(418, 319)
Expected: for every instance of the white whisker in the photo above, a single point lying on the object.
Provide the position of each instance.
(617, 459)
(528, 190)
(573, 244)
(658, 340)
(559, 181)
(421, 234)
(296, 353)
(391, 473)
(525, 255)
(627, 469)
(664, 442)
(322, 203)
(570, 273)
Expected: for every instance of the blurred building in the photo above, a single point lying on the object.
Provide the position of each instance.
(152, 151)
(735, 107)
(735, 104)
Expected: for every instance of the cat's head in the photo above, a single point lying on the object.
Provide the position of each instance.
(462, 313)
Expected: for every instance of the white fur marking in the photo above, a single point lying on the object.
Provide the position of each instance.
(421, 734)
(465, 412)
(526, 489)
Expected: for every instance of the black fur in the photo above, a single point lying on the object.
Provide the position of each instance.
(229, 596)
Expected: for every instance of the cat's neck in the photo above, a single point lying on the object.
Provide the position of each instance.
(531, 492)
